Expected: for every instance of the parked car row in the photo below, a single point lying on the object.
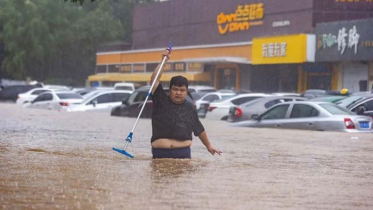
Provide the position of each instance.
(325, 110)
(307, 115)
(70, 101)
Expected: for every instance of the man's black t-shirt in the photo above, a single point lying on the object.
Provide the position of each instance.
(173, 121)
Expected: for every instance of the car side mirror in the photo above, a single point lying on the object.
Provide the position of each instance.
(94, 103)
(255, 117)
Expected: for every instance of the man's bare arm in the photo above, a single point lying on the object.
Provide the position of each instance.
(158, 68)
(206, 142)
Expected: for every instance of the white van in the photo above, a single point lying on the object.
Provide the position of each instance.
(124, 86)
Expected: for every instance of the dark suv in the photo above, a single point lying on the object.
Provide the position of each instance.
(10, 93)
(132, 105)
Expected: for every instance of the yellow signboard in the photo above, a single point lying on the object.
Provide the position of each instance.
(280, 49)
(244, 17)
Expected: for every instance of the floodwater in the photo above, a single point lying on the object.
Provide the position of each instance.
(57, 160)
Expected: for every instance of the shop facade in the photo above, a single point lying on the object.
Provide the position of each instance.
(348, 47)
(214, 44)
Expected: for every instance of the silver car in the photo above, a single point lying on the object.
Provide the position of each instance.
(306, 115)
(257, 106)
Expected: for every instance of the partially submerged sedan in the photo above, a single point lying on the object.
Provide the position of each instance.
(55, 100)
(306, 115)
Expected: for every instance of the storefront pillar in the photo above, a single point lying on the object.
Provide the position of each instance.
(335, 77)
(302, 79)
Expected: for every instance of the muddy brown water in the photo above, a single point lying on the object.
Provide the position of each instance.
(58, 160)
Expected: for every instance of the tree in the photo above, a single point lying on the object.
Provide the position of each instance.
(47, 39)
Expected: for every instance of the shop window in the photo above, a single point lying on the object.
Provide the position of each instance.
(101, 69)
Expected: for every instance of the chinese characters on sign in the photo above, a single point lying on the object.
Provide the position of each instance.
(350, 40)
(240, 20)
(271, 50)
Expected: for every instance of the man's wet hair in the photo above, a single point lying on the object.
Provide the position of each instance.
(179, 81)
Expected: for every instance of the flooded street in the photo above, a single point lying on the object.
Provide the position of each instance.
(57, 160)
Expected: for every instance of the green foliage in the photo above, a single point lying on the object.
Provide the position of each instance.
(45, 39)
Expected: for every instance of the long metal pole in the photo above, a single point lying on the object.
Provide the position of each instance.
(150, 91)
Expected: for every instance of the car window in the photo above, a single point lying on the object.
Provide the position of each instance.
(132, 97)
(69, 96)
(348, 101)
(303, 110)
(276, 101)
(140, 97)
(195, 95)
(48, 97)
(242, 100)
(225, 99)
(211, 98)
(336, 110)
(39, 98)
(120, 96)
(370, 105)
(191, 90)
(105, 98)
(278, 112)
(38, 92)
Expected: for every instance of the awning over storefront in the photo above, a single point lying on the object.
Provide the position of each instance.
(145, 77)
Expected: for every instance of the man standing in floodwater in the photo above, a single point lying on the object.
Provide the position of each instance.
(174, 119)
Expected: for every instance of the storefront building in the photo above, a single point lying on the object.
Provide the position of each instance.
(214, 44)
(348, 46)
(285, 55)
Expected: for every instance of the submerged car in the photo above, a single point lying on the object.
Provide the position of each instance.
(364, 106)
(320, 116)
(219, 110)
(257, 106)
(101, 101)
(54, 100)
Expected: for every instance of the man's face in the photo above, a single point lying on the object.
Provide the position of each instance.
(178, 94)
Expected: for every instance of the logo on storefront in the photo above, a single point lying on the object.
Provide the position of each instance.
(343, 40)
(244, 17)
(277, 49)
